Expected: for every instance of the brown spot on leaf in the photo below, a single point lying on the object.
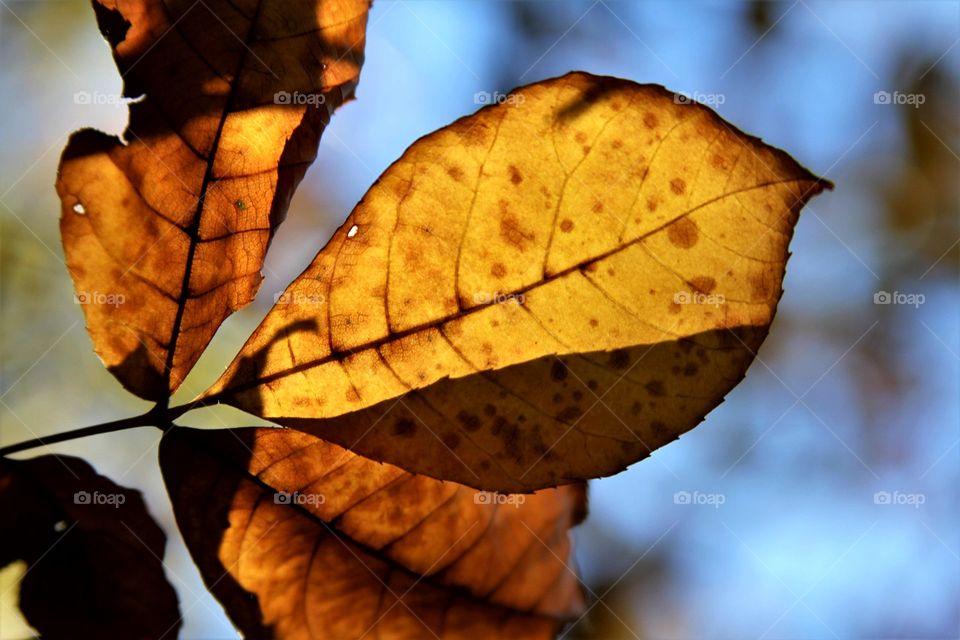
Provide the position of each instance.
(470, 133)
(678, 185)
(619, 359)
(404, 428)
(655, 388)
(452, 440)
(566, 225)
(558, 371)
(683, 233)
(498, 270)
(510, 230)
(515, 176)
(703, 284)
(569, 414)
(597, 206)
(760, 286)
(455, 172)
(469, 421)
(649, 120)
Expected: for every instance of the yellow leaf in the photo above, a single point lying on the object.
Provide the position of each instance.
(165, 231)
(545, 291)
(333, 545)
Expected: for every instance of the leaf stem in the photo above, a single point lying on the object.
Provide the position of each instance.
(160, 417)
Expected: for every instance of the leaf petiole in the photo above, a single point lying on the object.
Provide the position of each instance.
(160, 417)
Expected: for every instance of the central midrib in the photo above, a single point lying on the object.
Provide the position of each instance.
(339, 355)
(193, 231)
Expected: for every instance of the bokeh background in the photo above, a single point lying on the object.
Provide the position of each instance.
(849, 399)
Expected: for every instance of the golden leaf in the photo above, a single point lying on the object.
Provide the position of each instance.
(333, 545)
(542, 292)
(165, 231)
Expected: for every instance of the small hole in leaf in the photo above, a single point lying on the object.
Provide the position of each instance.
(240, 205)
(78, 209)
(353, 231)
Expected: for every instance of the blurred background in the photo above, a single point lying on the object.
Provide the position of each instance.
(821, 499)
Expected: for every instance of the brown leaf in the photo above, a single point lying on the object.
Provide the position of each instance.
(94, 554)
(299, 538)
(165, 231)
(542, 292)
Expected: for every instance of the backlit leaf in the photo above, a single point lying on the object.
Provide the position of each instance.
(93, 553)
(165, 231)
(545, 291)
(299, 538)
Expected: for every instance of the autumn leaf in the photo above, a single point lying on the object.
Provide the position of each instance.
(93, 553)
(299, 538)
(165, 231)
(542, 292)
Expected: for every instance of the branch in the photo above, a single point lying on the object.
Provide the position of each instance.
(160, 417)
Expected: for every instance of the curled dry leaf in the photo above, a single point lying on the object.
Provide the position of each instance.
(299, 538)
(165, 231)
(541, 292)
(94, 554)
